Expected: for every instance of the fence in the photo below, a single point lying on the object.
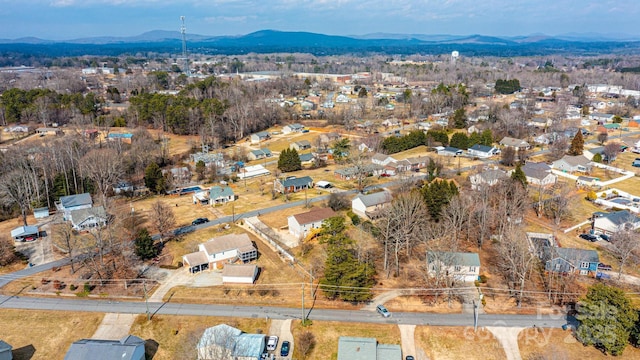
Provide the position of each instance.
(268, 234)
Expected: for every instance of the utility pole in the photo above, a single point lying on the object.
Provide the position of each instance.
(146, 299)
(303, 316)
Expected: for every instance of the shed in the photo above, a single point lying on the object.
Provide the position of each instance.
(40, 213)
(5, 351)
(25, 233)
(239, 274)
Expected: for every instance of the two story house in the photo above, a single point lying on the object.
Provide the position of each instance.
(464, 267)
(217, 252)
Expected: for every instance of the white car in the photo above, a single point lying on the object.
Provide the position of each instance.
(272, 343)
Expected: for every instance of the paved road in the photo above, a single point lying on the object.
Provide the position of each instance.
(7, 278)
(61, 304)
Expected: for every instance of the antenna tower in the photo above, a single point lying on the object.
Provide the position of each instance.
(185, 58)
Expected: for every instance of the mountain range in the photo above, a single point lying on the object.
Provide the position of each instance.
(266, 41)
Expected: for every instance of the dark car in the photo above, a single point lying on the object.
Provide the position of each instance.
(284, 350)
(605, 237)
(589, 237)
(603, 266)
(409, 357)
(199, 221)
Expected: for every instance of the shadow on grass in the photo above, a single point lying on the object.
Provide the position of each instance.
(150, 349)
(24, 353)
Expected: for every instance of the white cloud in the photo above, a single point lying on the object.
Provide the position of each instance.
(218, 19)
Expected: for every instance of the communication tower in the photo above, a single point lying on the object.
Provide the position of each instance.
(185, 57)
(454, 56)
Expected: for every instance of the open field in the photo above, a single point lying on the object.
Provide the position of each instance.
(45, 335)
(327, 334)
(177, 336)
(559, 344)
(451, 343)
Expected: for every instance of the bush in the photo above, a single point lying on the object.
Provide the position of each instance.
(72, 287)
(57, 284)
(87, 287)
(338, 202)
(355, 219)
(592, 195)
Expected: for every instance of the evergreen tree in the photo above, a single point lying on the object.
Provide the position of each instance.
(144, 247)
(437, 135)
(597, 158)
(460, 140)
(201, 168)
(607, 319)
(341, 149)
(153, 178)
(519, 176)
(459, 119)
(577, 144)
(437, 194)
(289, 160)
(486, 138)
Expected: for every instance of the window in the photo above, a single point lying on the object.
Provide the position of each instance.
(457, 268)
(584, 265)
(583, 272)
(557, 267)
(472, 269)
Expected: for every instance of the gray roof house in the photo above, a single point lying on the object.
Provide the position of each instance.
(84, 219)
(569, 260)
(292, 128)
(259, 154)
(221, 195)
(578, 163)
(369, 205)
(539, 174)
(292, 184)
(226, 342)
(128, 348)
(613, 222)
(74, 202)
(357, 348)
(259, 136)
(515, 143)
(300, 145)
(482, 151)
(306, 158)
(5, 351)
(24, 232)
(459, 266)
(488, 177)
(448, 151)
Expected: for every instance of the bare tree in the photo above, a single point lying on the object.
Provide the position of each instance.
(508, 156)
(516, 260)
(163, 217)
(66, 239)
(7, 251)
(611, 150)
(623, 247)
(558, 148)
(16, 188)
(602, 137)
(104, 167)
(306, 342)
(557, 206)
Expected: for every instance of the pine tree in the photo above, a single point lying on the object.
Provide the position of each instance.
(519, 176)
(144, 247)
(289, 160)
(153, 178)
(577, 144)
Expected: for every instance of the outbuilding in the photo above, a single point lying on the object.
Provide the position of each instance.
(25, 233)
(239, 274)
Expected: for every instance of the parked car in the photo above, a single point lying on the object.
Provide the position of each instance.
(272, 343)
(589, 237)
(284, 349)
(636, 162)
(383, 311)
(199, 221)
(409, 357)
(603, 266)
(605, 237)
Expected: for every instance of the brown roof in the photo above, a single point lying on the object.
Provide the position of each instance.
(314, 215)
(239, 270)
(227, 242)
(196, 258)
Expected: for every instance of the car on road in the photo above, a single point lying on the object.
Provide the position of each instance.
(199, 221)
(409, 357)
(284, 349)
(383, 311)
(636, 162)
(272, 343)
(589, 237)
(603, 266)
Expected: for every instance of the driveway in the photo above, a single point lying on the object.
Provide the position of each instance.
(407, 334)
(183, 277)
(282, 329)
(508, 338)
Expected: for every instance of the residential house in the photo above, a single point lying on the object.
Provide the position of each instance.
(300, 145)
(459, 266)
(448, 151)
(587, 182)
(226, 342)
(292, 184)
(40, 213)
(219, 251)
(128, 348)
(370, 205)
(307, 105)
(25, 233)
(74, 202)
(259, 154)
(419, 162)
(180, 175)
(328, 138)
(239, 273)
(382, 159)
(612, 222)
(482, 151)
(540, 122)
(396, 167)
(539, 174)
(391, 122)
(488, 177)
(306, 158)
(590, 153)
(301, 224)
(517, 144)
(570, 164)
(5, 351)
(221, 195)
(259, 137)
(354, 171)
(601, 117)
(291, 128)
(49, 131)
(358, 348)
(124, 137)
(85, 219)
(570, 260)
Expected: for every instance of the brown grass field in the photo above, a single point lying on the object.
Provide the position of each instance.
(450, 343)
(45, 335)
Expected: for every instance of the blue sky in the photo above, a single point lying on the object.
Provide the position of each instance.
(70, 19)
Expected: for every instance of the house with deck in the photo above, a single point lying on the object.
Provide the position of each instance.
(219, 251)
(569, 260)
(301, 224)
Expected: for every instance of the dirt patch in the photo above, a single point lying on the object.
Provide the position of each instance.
(453, 343)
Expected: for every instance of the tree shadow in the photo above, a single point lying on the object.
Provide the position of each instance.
(24, 353)
(150, 349)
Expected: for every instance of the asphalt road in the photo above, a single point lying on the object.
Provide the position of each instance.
(103, 306)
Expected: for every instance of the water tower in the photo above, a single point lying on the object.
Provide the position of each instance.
(454, 56)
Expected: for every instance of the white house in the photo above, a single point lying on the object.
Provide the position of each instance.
(488, 177)
(259, 154)
(301, 224)
(368, 206)
(382, 159)
(539, 174)
(74, 202)
(225, 342)
(288, 129)
(220, 251)
(578, 163)
(482, 151)
(84, 219)
(259, 137)
(458, 266)
(616, 221)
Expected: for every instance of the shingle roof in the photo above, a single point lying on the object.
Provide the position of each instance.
(493, 175)
(239, 270)
(227, 242)
(357, 348)
(81, 215)
(297, 182)
(196, 258)
(217, 192)
(375, 198)
(621, 217)
(575, 160)
(96, 349)
(481, 148)
(76, 200)
(455, 258)
(577, 255)
(509, 141)
(314, 215)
